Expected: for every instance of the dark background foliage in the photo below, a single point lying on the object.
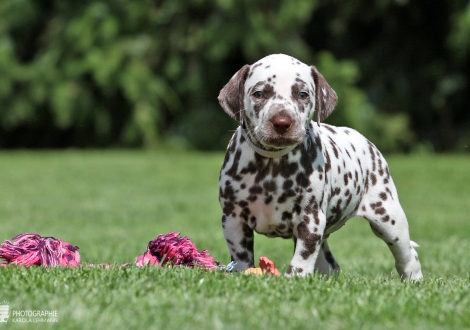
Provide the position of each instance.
(121, 73)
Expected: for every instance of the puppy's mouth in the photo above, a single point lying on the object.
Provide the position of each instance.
(279, 142)
(273, 143)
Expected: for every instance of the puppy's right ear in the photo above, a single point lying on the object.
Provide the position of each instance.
(232, 95)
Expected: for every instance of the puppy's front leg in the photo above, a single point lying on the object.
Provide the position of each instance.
(309, 234)
(239, 237)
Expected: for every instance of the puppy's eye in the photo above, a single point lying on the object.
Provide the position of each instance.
(303, 96)
(258, 95)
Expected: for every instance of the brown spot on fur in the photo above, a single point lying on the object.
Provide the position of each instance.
(270, 186)
(333, 145)
(328, 127)
(302, 180)
(375, 205)
(381, 171)
(286, 215)
(296, 209)
(232, 171)
(389, 192)
(373, 179)
(289, 270)
(372, 155)
(245, 213)
(243, 203)
(316, 218)
(256, 190)
(380, 211)
(327, 162)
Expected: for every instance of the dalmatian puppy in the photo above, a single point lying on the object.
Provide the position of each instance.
(286, 176)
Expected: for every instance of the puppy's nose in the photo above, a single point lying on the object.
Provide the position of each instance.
(281, 123)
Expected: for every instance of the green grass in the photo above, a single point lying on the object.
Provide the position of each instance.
(112, 203)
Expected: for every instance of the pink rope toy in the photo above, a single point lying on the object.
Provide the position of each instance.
(175, 250)
(33, 249)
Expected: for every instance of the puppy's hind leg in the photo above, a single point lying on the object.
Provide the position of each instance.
(326, 264)
(388, 222)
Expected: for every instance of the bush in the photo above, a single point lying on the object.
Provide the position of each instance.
(126, 73)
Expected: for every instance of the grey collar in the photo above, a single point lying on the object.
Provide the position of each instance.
(275, 153)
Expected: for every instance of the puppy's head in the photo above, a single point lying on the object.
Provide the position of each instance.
(276, 98)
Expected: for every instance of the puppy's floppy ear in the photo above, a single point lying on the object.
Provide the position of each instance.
(231, 97)
(325, 96)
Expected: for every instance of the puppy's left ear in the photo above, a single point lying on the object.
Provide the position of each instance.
(325, 96)
(231, 97)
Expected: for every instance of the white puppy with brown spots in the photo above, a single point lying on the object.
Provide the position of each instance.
(286, 176)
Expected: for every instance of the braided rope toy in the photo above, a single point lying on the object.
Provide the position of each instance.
(178, 251)
(33, 249)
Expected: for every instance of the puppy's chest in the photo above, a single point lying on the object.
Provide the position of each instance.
(269, 195)
(274, 205)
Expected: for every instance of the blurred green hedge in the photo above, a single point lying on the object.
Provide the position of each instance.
(123, 73)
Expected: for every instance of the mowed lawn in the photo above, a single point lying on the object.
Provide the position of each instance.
(112, 203)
